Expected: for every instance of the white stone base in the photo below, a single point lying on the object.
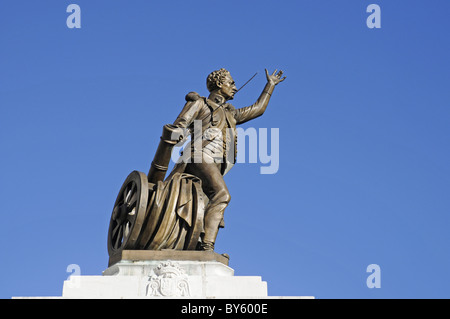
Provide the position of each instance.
(166, 279)
(166, 274)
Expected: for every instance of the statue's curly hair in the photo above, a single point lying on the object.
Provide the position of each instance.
(216, 78)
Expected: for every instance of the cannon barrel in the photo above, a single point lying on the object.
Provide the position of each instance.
(161, 160)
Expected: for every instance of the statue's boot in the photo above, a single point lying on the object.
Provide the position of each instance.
(213, 219)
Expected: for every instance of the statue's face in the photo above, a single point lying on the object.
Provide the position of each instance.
(228, 88)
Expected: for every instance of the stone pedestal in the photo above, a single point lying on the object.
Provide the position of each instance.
(166, 274)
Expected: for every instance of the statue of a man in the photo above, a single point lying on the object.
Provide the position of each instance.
(213, 157)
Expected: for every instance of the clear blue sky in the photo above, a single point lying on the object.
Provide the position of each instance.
(363, 117)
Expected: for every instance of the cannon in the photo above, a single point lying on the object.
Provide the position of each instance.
(151, 213)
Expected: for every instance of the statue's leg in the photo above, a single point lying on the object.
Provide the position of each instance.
(216, 190)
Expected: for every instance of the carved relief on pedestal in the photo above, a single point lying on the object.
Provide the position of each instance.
(169, 280)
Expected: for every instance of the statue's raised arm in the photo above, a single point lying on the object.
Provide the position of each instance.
(259, 107)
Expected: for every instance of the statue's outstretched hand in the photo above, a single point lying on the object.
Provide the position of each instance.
(275, 78)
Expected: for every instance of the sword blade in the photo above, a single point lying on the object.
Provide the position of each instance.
(246, 83)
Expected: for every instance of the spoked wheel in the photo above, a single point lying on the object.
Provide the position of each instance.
(129, 213)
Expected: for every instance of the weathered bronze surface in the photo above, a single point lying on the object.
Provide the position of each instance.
(186, 210)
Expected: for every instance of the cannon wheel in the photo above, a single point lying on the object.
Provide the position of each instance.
(128, 213)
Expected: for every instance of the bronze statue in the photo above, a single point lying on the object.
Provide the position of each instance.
(185, 211)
